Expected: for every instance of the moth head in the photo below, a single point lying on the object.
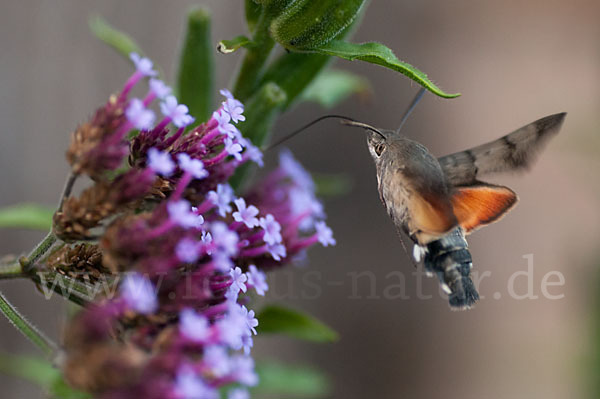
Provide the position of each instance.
(377, 143)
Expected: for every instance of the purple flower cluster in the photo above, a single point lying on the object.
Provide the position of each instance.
(191, 252)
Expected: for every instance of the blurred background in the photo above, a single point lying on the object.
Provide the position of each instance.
(513, 62)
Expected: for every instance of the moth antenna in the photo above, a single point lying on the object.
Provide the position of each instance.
(346, 120)
(411, 107)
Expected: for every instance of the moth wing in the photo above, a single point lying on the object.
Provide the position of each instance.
(513, 152)
(479, 205)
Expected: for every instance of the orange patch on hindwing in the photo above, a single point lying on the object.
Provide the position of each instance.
(479, 205)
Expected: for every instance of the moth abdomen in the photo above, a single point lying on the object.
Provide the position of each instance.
(450, 259)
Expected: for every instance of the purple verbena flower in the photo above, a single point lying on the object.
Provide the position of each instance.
(195, 167)
(238, 393)
(224, 239)
(138, 115)
(235, 109)
(138, 293)
(245, 214)
(216, 359)
(159, 88)
(238, 280)
(222, 197)
(251, 320)
(143, 65)
(160, 162)
(190, 385)
(277, 251)
(180, 213)
(194, 326)
(243, 370)
(257, 279)
(178, 113)
(272, 229)
(226, 93)
(187, 250)
(324, 234)
(233, 148)
(295, 171)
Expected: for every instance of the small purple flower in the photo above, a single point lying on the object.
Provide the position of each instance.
(233, 148)
(138, 115)
(143, 65)
(187, 250)
(245, 214)
(160, 162)
(222, 197)
(216, 359)
(247, 343)
(222, 262)
(295, 171)
(224, 239)
(178, 113)
(324, 234)
(258, 280)
(251, 320)
(181, 213)
(232, 327)
(159, 88)
(224, 126)
(226, 93)
(194, 326)
(238, 393)
(206, 237)
(190, 385)
(277, 251)
(272, 229)
(243, 370)
(238, 280)
(235, 109)
(254, 154)
(195, 167)
(138, 293)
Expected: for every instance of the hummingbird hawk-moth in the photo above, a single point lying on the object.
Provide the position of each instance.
(438, 201)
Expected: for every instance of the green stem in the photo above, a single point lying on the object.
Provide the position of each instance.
(69, 288)
(40, 250)
(11, 270)
(26, 328)
(255, 58)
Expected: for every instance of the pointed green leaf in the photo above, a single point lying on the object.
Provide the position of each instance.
(377, 53)
(229, 46)
(333, 86)
(36, 370)
(276, 379)
(116, 39)
(27, 216)
(195, 80)
(280, 320)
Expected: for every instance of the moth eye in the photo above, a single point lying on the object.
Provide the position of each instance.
(379, 149)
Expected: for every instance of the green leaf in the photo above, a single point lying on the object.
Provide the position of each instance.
(333, 86)
(27, 216)
(36, 370)
(282, 380)
(293, 72)
(308, 24)
(280, 320)
(252, 14)
(61, 390)
(195, 80)
(229, 46)
(377, 53)
(116, 39)
(332, 185)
